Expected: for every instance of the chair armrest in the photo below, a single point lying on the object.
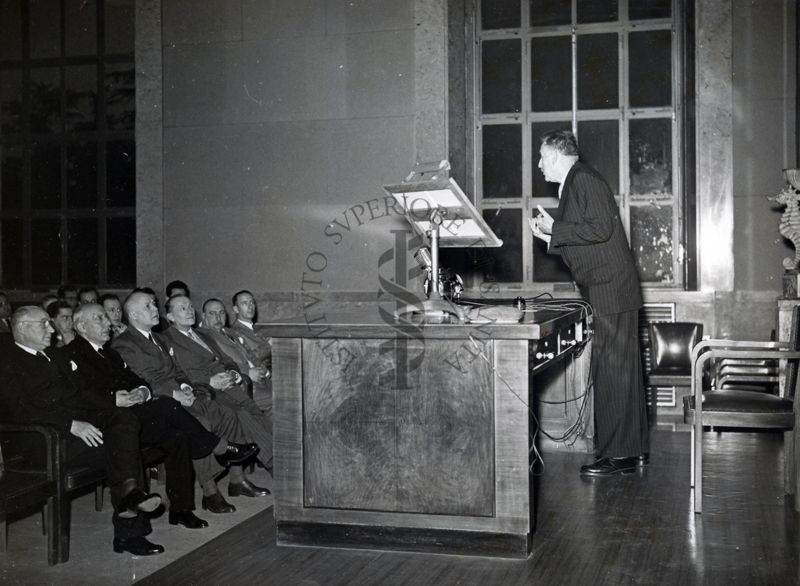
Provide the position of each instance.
(715, 343)
(54, 444)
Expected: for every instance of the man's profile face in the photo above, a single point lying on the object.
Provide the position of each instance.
(144, 311)
(181, 311)
(246, 306)
(95, 326)
(113, 309)
(215, 315)
(547, 163)
(35, 330)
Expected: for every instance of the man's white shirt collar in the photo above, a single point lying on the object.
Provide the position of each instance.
(249, 324)
(145, 334)
(28, 349)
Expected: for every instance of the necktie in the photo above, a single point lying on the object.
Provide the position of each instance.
(153, 340)
(197, 339)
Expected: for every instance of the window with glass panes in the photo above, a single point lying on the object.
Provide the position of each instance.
(609, 70)
(67, 152)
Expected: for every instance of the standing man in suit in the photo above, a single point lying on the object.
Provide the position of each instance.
(164, 423)
(199, 357)
(37, 389)
(591, 240)
(257, 346)
(150, 356)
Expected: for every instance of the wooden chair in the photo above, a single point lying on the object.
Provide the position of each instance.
(24, 491)
(70, 481)
(743, 409)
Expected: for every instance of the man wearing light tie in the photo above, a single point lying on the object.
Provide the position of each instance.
(199, 357)
(591, 240)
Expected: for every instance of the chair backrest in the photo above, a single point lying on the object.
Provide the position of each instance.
(671, 344)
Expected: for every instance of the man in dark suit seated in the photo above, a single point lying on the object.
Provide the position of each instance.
(37, 389)
(149, 355)
(164, 423)
(199, 357)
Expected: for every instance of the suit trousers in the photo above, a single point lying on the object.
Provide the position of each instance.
(119, 455)
(166, 425)
(223, 422)
(620, 410)
(256, 425)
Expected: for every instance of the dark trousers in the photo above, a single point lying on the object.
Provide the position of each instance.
(620, 410)
(166, 425)
(119, 455)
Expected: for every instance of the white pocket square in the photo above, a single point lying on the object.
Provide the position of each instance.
(73, 365)
(171, 351)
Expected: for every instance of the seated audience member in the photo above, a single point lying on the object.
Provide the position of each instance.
(47, 300)
(201, 360)
(163, 324)
(37, 389)
(5, 320)
(61, 314)
(164, 423)
(87, 295)
(149, 355)
(214, 321)
(113, 308)
(69, 294)
(177, 288)
(257, 346)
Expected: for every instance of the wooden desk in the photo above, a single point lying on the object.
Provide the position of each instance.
(412, 437)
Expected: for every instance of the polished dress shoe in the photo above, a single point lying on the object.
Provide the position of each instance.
(246, 488)
(237, 454)
(138, 501)
(644, 459)
(137, 546)
(186, 518)
(610, 466)
(217, 504)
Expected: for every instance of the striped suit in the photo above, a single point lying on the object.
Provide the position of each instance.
(589, 236)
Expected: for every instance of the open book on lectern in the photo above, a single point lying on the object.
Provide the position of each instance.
(440, 212)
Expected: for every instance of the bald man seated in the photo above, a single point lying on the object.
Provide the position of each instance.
(164, 422)
(37, 389)
(150, 356)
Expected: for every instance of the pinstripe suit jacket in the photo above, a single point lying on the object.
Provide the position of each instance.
(591, 240)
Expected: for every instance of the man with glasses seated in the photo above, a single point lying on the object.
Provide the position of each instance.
(37, 389)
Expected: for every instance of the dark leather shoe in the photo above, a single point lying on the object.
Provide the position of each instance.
(217, 504)
(246, 488)
(610, 466)
(137, 546)
(186, 518)
(138, 501)
(237, 454)
(644, 459)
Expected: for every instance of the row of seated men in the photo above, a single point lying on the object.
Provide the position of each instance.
(182, 389)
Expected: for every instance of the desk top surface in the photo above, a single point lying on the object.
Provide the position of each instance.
(379, 322)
